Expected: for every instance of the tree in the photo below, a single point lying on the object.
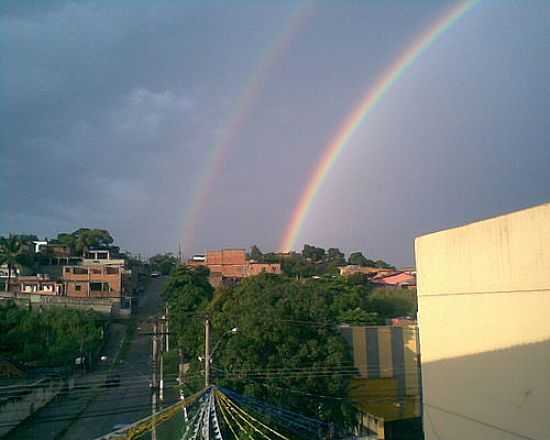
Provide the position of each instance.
(187, 292)
(358, 259)
(313, 253)
(335, 256)
(383, 265)
(359, 316)
(10, 250)
(83, 239)
(52, 337)
(271, 313)
(255, 253)
(391, 302)
(164, 263)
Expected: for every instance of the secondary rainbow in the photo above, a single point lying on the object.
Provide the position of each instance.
(234, 124)
(360, 113)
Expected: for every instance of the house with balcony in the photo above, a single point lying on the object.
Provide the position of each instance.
(96, 281)
(37, 285)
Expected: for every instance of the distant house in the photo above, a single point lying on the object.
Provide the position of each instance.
(372, 272)
(57, 250)
(405, 280)
(4, 271)
(38, 285)
(40, 245)
(199, 258)
(101, 257)
(229, 266)
(95, 281)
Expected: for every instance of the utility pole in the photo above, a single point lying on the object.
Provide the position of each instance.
(154, 386)
(207, 352)
(180, 375)
(161, 369)
(167, 346)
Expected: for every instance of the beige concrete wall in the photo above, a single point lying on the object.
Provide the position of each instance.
(484, 322)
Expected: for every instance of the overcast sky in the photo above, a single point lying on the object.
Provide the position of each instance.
(109, 115)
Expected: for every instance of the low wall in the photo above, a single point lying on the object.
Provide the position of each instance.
(17, 402)
(104, 306)
(99, 305)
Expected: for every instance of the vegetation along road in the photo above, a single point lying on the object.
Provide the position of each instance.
(114, 395)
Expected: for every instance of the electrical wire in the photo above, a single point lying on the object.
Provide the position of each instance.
(95, 414)
(223, 396)
(479, 422)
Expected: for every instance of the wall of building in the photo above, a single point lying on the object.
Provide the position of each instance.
(93, 274)
(484, 303)
(23, 402)
(388, 380)
(258, 268)
(226, 256)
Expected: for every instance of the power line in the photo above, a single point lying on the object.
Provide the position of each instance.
(480, 422)
(98, 414)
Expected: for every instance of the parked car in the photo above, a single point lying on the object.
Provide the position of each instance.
(155, 274)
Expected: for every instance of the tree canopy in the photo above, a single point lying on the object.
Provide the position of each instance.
(11, 249)
(84, 239)
(52, 337)
(164, 263)
(285, 325)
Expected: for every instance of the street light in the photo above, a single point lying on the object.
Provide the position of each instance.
(233, 331)
(207, 353)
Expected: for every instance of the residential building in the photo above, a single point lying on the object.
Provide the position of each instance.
(484, 301)
(199, 258)
(101, 257)
(57, 250)
(231, 265)
(402, 321)
(39, 246)
(351, 269)
(97, 281)
(97, 254)
(4, 272)
(387, 386)
(405, 280)
(38, 285)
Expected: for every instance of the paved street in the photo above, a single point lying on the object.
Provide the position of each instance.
(95, 409)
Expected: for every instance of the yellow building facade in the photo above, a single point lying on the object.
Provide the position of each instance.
(387, 386)
(484, 325)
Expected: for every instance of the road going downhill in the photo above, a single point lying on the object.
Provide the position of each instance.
(98, 408)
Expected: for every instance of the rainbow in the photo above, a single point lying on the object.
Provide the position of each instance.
(237, 119)
(360, 113)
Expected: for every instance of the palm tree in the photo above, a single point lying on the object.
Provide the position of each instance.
(10, 249)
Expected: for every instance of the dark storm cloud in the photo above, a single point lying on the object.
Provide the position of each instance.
(109, 113)
(106, 110)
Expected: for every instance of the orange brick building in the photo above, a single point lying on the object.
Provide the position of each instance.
(98, 281)
(231, 265)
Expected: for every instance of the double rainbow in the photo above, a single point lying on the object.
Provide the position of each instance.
(235, 123)
(359, 115)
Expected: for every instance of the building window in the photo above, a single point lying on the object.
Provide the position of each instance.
(77, 287)
(80, 271)
(67, 270)
(96, 271)
(98, 286)
(111, 270)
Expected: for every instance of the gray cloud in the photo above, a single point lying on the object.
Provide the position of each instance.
(110, 114)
